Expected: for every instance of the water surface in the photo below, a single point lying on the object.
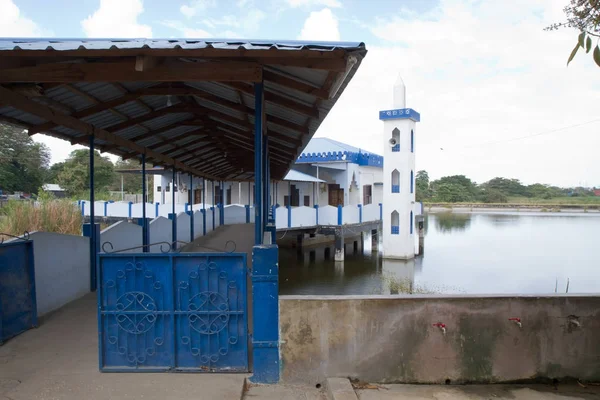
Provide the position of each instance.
(471, 253)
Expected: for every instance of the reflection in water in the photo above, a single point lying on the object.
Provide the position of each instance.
(448, 222)
(475, 253)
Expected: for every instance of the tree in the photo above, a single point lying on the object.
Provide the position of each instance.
(74, 177)
(451, 193)
(23, 163)
(456, 186)
(491, 195)
(583, 15)
(509, 187)
(422, 184)
(55, 169)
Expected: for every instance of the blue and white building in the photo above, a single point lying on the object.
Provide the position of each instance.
(327, 172)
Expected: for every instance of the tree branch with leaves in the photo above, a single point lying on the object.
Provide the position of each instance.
(583, 15)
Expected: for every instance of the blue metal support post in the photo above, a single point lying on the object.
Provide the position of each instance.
(174, 215)
(203, 206)
(213, 204)
(192, 210)
(265, 161)
(145, 236)
(265, 306)
(258, 162)
(93, 244)
(222, 209)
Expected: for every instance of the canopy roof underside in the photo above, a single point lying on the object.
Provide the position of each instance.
(187, 104)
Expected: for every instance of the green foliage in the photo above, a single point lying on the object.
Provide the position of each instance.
(74, 176)
(423, 192)
(509, 187)
(132, 183)
(491, 195)
(453, 189)
(583, 15)
(23, 162)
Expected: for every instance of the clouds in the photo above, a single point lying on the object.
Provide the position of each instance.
(309, 3)
(321, 25)
(196, 7)
(13, 24)
(117, 18)
(480, 73)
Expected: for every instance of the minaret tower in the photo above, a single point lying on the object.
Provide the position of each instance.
(399, 134)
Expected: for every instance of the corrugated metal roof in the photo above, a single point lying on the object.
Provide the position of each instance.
(326, 145)
(292, 118)
(188, 44)
(298, 176)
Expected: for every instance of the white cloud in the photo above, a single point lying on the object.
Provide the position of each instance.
(13, 24)
(320, 25)
(196, 7)
(248, 23)
(186, 31)
(314, 3)
(479, 75)
(117, 18)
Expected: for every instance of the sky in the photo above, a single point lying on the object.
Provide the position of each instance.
(495, 94)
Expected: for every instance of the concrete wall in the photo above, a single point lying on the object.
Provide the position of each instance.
(393, 339)
(122, 235)
(62, 269)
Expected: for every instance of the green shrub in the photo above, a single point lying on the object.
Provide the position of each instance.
(59, 216)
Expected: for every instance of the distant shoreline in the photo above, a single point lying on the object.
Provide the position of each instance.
(512, 207)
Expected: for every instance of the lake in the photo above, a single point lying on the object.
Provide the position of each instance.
(465, 253)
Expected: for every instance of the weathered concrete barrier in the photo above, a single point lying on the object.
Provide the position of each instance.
(433, 339)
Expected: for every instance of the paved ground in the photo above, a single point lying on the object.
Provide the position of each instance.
(59, 361)
(480, 392)
(242, 236)
(284, 392)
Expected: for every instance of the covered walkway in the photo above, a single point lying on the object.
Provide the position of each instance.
(215, 110)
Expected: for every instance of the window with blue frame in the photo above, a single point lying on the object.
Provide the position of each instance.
(411, 222)
(412, 182)
(412, 141)
(395, 181)
(395, 223)
(396, 137)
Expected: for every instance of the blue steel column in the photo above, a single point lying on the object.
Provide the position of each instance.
(222, 210)
(145, 241)
(258, 162)
(203, 206)
(93, 247)
(266, 174)
(192, 210)
(173, 214)
(213, 205)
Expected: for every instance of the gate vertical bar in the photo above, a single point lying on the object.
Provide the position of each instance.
(145, 241)
(258, 162)
(93, 247)
(192, 210)
(174, 215)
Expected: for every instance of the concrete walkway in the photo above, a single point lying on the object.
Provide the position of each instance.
(480, 392)
(59, 361)
(242, 236)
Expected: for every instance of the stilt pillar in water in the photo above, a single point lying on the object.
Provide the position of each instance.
(421, 231)
(339, 245)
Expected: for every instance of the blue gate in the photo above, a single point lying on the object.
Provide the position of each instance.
(18, 308)
(174, 311)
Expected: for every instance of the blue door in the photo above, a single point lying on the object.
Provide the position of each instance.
(176, 311)
(18, 308)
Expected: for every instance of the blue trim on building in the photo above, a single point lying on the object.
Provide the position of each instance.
(396, 148)
(412, 181)
(360, 158)
(411, 222)
(412, 141)
(395, 230)
(400, 113)
(395, 188)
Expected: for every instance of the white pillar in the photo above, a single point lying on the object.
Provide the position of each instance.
(399, 133)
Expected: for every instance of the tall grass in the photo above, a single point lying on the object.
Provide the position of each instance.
(59, 216)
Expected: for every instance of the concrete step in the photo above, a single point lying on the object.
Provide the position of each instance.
(340, 389)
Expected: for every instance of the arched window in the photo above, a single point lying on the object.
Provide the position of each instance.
(395, 181)
(395, 223)
(396, 137)
(412, 182)
(411, 222)
(412, 141)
